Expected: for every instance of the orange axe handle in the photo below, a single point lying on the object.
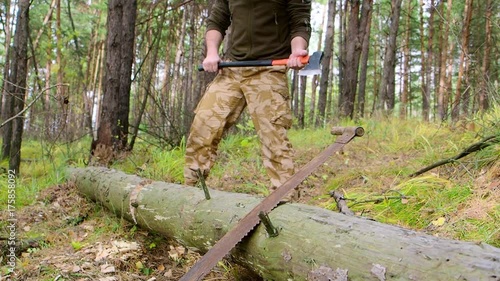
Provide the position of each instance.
(303, 60)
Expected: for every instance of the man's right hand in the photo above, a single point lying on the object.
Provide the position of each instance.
(211, 63)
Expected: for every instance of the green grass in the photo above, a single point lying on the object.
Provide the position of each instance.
(396, 148)
(42, 167)
(415, 203)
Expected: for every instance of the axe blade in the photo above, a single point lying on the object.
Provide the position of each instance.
(314, 65)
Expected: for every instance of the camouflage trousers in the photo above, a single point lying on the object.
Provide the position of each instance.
(264, 92)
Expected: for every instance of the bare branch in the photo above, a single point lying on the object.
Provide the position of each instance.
(31, 104)
(473, 148)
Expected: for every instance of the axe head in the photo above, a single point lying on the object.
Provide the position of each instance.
(314, 65)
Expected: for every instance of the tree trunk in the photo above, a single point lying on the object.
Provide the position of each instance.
(325, 70)
(485, 66)
(433, 60)
(146, 83)
(387, 85)
(177, 80)
(92, 69)
(60, 116)
(424, 63)
(460, 98)
(302, 102)
(194, 11)
(315, 78)
(7, 35)
(16, 88)
(6, 98)
(46, 106)
(443, 87)
(365, 52)
(376, 52)
(406, 75)
(358, 20)
(312, 241)
(294, 93)
(114, 122)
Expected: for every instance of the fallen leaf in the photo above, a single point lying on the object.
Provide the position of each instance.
(168, 274)
(107, 268)
(139, 265)
(439, 222)
(86, 265)
(161, 267)
(111, 278)
(176, 253)
(102, 253)
(124, 246)
(404, 201)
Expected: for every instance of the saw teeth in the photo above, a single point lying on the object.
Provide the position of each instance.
(224, 246)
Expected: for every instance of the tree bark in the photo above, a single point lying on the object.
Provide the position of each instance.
(442, 105)
(315, 79)
(406, 75)
(114, 122)
(424, 62)
(485, 66)
(325, 70)
(461, 94)
(302, 102)
(365, 53)
(16, 89)
(6, 98)
(311, 240)
(355, 33)
(387, 84)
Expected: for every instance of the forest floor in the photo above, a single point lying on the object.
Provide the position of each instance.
(67, 237)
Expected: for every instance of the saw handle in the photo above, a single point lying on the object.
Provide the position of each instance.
(358, 131)
(247, 63)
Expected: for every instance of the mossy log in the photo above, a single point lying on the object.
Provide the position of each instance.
(313, 243)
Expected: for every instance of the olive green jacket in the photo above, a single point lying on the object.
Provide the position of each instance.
(261, 29)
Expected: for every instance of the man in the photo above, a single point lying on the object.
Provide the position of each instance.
(260, 30)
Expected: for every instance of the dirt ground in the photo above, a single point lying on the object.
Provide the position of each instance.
(67, 237)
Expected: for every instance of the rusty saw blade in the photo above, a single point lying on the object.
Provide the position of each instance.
(247, 223)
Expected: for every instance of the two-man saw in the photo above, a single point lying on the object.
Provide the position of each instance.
(247, 223)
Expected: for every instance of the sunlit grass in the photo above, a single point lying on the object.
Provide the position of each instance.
(397, 148)
(41, 167)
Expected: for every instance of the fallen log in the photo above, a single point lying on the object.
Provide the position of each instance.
(313, 243)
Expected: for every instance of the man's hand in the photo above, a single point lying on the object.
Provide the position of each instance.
(213, 39)
(211, 63)
(294, 59)
(299, 50)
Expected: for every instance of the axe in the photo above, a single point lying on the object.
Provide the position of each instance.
(312, 62)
